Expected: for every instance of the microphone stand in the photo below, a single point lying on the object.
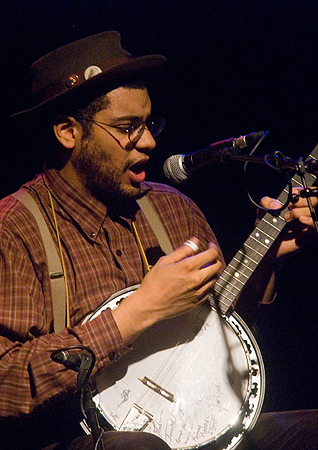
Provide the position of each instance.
(82, 361)
(89, 409)
(276, 160)
(281, 163)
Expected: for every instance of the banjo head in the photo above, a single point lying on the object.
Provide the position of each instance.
(193, 380)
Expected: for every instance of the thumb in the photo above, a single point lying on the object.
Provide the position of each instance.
(270, 203)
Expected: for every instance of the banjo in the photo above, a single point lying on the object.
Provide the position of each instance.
(197, 380)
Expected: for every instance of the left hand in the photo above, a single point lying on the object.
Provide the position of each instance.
(301, 226)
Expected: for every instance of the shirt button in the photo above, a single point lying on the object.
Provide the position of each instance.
(118, 252)
(112, 356)
(92, 234)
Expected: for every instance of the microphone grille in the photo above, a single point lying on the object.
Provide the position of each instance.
(173, 169)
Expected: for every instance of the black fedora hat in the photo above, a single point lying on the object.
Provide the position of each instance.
(93, 64)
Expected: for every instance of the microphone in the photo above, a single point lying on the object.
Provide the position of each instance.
(71, 360)
(81, 361)
(178, 168)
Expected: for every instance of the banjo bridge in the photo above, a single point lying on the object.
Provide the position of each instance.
(158, 389)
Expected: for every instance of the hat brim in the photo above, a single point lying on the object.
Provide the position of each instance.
(143, 68)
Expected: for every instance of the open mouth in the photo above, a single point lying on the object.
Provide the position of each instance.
(138, 167)
(137, 171)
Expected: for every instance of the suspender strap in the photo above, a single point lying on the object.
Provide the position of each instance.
(58, 289)
(57, 279)
(156, 224)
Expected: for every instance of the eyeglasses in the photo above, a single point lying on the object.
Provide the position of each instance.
(135, 130)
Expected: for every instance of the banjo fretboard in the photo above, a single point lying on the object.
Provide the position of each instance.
(246, 260)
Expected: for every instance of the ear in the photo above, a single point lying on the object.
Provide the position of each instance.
(66, 130)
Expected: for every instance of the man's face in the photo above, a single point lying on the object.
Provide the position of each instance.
(107, 163)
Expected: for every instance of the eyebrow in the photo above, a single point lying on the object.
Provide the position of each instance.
(128, 119)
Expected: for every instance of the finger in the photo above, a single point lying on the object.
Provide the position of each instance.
(297, 213)
(187, 249)
(302, 202)
(192, 245)
(205, 291)
(217, 248)
(305, 220)
(217, 252)
(270, 203)
(187, 252)
(207, 258)
(299, 201)
(211, 272)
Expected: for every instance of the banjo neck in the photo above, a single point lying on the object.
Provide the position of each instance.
(250, 255)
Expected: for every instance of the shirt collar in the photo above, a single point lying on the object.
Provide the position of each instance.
(88, 212)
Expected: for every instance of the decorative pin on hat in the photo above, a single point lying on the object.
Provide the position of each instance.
(94, 62)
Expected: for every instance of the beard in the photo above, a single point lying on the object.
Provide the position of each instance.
(100, 178)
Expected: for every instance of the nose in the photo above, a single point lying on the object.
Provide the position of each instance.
(146, 141)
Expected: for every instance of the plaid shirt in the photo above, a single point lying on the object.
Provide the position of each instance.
(101, 257)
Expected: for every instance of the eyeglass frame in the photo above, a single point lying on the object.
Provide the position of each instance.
(133, 127)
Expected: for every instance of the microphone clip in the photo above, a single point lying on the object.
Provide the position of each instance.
(81, 359)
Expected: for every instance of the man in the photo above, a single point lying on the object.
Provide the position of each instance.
(93, 94)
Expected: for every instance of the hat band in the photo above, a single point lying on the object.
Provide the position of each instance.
(74, 79)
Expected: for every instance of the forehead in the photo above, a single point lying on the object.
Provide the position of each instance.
(129, 101)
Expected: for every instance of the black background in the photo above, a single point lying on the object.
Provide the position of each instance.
(234, 67)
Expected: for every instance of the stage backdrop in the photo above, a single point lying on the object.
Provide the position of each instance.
(234, 67)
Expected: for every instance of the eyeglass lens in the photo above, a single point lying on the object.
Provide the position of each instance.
(154, 126)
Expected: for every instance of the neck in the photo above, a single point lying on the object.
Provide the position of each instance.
(68, 172)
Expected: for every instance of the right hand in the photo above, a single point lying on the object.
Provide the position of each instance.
(177, 283)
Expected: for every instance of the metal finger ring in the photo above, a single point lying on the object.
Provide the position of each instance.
(192, 245)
